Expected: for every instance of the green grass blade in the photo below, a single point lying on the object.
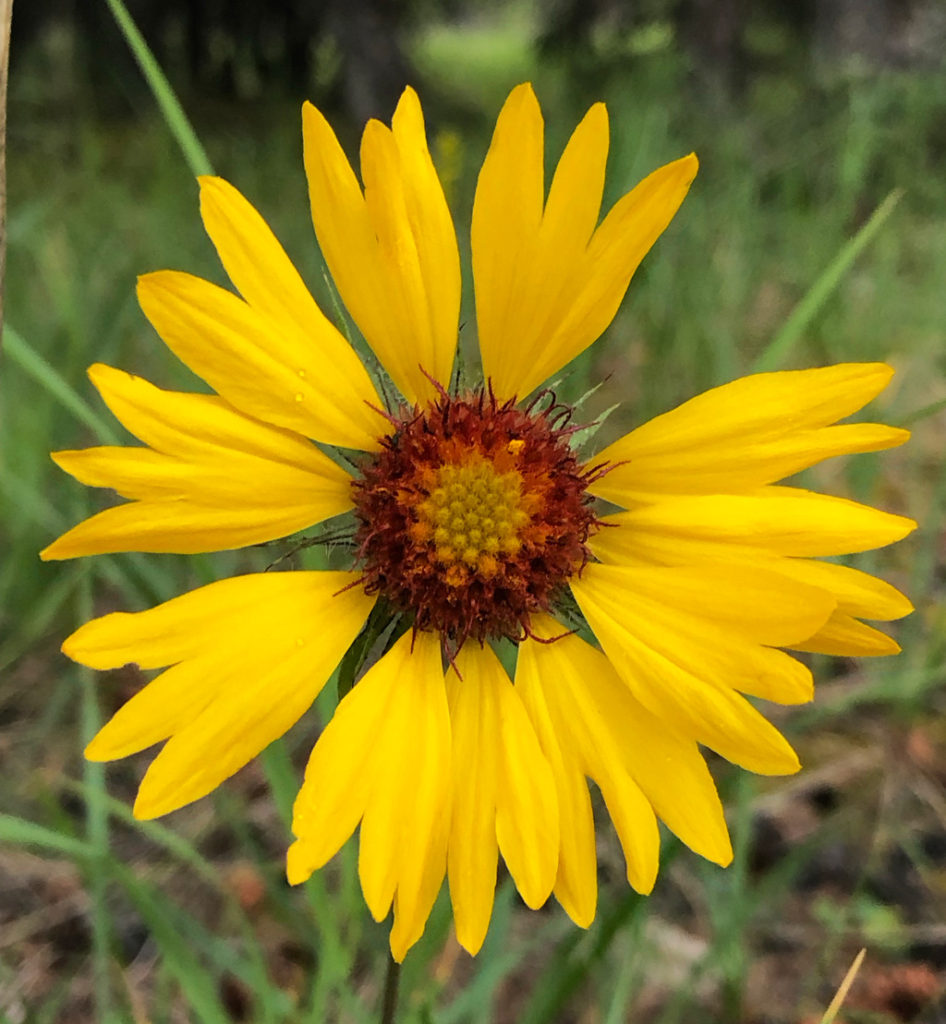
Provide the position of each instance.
(134, 574)
(571, 963)
(500, 957)
(780, 347)
(189, 856)
(19, 832)
(39, 617)
(96, 824)
(31, 362)
(922, 414)
(161, 835)
(171, 109)
(177, 948)
(334, 954)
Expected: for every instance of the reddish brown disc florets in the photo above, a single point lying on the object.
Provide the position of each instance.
(473, 516)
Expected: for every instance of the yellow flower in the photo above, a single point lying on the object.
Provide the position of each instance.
(639, 631)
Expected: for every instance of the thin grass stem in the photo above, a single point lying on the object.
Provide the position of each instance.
(171, 109)
(781, 346)
(22, 353)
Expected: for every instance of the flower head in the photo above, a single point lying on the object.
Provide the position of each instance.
(648, 590)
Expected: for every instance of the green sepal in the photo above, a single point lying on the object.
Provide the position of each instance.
(384, 626)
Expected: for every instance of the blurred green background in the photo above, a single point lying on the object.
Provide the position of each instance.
(807, 117)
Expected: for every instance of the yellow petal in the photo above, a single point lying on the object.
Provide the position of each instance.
(190, 426)
(721, 640)
(617, 737)
(392, 251)
(223, 638)
(254, 653)
(539, 287)
(867, 527)
(409, 315)
(344, 765)
(394, 725)
(527, 810)
(262, 272)
(381, 852)
(672, 534)
(696, 705)
(203, 619)
(507, 216)
(133, 472)
(636, 826)
(547, 283)
(844, 636)
(576, 884)
(574, 201)
(765, 405)
(341, 223)
(163, 707)
(754, 604)
(602, 759)
(431, 227)
(526, 807)
(604, 272)
(179, 528)
(856, 592)
(425, 798)
(262, 692)
(410, 918)
(402, 838)
(748, 433)
(218, 479)
(267, 373)
(739, 467)
(473, 851)
(776, 520)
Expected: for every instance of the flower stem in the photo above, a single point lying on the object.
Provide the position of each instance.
(389, 1000)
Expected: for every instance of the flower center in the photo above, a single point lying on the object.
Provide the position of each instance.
(473, 516)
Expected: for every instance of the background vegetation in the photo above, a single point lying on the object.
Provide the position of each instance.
(807, 118)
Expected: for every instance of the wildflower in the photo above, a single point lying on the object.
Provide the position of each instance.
(640, 631)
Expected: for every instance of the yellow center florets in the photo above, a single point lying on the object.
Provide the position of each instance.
(472, 514)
